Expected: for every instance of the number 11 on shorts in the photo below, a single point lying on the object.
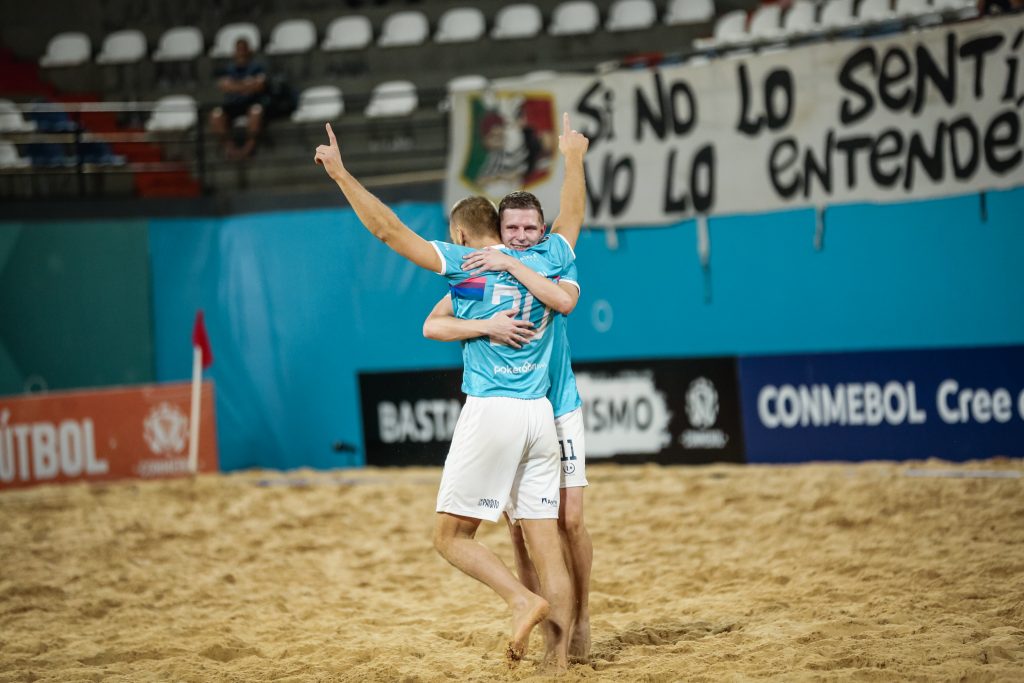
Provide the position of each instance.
(572, 450)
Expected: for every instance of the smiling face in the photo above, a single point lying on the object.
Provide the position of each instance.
(521, 228)
(522, 220)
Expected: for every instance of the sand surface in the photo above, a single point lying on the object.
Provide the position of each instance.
(811, 572)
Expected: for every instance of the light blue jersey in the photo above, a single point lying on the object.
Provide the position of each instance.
(563, 394)
(495, 369)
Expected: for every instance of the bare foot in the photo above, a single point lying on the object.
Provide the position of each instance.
(579, 646)
(524, 618)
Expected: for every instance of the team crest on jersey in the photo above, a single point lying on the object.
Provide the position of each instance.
(512, 141)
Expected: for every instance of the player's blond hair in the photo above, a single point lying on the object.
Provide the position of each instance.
(477, 216)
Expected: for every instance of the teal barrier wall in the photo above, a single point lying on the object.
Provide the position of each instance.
(298, 303)
(74, 305)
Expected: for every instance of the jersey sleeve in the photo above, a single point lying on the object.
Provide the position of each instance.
(570, 275)
(563, 245)
(451, 260)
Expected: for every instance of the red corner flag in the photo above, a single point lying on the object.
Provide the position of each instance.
(202, 340)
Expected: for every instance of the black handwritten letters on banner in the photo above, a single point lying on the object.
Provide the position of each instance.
(916, 115)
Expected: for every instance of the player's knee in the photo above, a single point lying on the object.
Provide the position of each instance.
(571, 521)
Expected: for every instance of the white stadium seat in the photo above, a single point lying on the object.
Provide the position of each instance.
(730, 29)
(631, 15)
(959, 9)
(122, 47)
(467, 83)
(392, 98)
(460, 25)
(173, 112)
(766, 22)
(67, 49)
(871, 11)
(520, 20)
(914, 8)
(801, 18)
(837, 14)
(404, 28)
(9, 157)
(227, 36)
(574, 18)
(12, 120)
(179, 44)
(292, 37)
(689, 12)
(347, 33)
(319, 103)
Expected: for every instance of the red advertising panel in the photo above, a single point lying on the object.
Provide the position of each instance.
(128, 432)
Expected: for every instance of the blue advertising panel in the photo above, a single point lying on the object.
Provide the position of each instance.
(956, 404)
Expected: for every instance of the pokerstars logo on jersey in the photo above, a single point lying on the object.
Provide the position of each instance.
(519, 369)
(702, 411)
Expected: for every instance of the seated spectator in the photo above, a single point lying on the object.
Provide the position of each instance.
(244, 85)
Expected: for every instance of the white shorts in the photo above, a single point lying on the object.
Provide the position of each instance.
(572, 448)
(504, 453)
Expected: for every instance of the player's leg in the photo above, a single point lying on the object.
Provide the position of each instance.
(534, 502)
(579, 550)
(525, 570)
(487, 446)
(454, 539)
(580, 559)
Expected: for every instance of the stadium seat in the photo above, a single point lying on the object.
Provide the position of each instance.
(347, 33)
(319, 103)
(122, 47)
(292, 37)
(12, 120)
(957, 9)
(392, 98)
(67, 49)
(914, 8)
(574, 18)
(467, 83)
(179, 44)
(837, 14)
(9, 157)
(730, 29)
(871, 11)
(801, 18)
(404, 28)
(227, 36)
(173, 112)
(766, 23)
(520, 20)
(631, 15)
(689, 12)
(460, 25)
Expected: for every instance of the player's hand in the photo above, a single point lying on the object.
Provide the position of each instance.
(571, 141)
(503, 328)
(329, 156)
(487, 260)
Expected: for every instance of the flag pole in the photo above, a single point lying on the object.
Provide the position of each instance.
(193, 431)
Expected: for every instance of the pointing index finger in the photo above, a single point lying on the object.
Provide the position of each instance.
(565, 123)
(330, 134)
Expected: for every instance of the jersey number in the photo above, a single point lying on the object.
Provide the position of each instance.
(506, 291)
(572, 450)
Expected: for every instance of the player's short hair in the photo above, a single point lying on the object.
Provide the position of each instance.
(521, 200)
(477, 216)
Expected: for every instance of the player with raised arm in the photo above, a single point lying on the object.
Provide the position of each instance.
(504, 450)
(522, 226)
